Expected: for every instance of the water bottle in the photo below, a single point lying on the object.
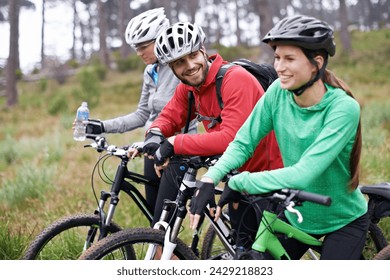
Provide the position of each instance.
(81, 116)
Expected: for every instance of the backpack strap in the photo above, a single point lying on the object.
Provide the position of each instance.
(218, 81)
(190, 101)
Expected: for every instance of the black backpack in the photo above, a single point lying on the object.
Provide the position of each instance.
(263, 72)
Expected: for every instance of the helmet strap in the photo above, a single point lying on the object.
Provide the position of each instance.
(319, 74)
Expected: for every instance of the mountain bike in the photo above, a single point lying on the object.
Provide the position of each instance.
(378, 208)
(271, 226)
(162, 241)
(68, 237)
(147, 241)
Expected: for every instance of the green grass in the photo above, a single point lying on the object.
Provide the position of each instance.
(45, 175)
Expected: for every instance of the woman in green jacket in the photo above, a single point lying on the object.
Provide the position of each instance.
(317, 125)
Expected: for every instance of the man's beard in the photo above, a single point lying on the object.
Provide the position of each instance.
(204, 74)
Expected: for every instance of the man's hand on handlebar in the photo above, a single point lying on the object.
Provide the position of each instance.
(162, 155)
(204, 195)
(153, 139)
(228, 195)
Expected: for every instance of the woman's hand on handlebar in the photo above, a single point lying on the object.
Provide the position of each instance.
(133, 153)
(135, 150)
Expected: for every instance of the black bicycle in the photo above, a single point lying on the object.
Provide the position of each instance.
(162, 242)
(68, 237)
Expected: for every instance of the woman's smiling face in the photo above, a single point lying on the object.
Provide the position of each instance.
(293, 67)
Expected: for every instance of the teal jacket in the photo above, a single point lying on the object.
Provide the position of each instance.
(315, 143)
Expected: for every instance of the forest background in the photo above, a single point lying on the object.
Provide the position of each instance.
(45, 175)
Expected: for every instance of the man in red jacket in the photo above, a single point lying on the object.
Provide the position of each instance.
(181, 46)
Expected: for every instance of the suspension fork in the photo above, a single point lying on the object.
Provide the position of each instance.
(104, 196)
(186, 191)
(114, 195)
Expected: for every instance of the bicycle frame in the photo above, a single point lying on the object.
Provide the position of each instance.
(120, 183)
(266, 240)
(118, 186)
(186, 191)
(270, 225)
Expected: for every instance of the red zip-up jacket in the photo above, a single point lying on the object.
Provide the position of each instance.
(240, 92)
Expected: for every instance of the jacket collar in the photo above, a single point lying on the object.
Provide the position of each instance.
(216, 63)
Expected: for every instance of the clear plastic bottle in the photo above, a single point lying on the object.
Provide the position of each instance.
(81, 116)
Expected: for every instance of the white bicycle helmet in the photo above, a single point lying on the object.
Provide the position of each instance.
(178, 40)
(146, 26)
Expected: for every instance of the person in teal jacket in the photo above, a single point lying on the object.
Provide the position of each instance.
(317, 125)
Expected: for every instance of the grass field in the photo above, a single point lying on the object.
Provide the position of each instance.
(45, 175)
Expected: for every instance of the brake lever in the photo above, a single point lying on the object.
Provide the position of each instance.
(290, 208)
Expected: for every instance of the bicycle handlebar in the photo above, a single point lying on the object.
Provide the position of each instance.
(313, 197)
(288, 195)
(100, 144)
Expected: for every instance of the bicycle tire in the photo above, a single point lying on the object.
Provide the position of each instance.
(376, 241)
(138, 239)
(57, 241)
(212, 248)
(383, 254)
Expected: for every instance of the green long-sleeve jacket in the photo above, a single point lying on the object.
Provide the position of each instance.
(315, 143)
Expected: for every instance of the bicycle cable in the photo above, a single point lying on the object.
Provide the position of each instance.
(97, 167)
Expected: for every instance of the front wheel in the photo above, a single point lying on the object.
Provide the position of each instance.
(66, 238)
(212, 247)
(383, 254)
(111, 247)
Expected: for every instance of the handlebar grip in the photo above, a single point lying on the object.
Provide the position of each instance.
(316, 198)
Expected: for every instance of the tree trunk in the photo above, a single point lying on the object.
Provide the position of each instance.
(103, 27)
(344, 33)
(265, 13)
(123, 20)
(13, 58)
(43, 35)
(238, 29)
(75, 22)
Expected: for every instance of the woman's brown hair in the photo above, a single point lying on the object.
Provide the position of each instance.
(332, 80)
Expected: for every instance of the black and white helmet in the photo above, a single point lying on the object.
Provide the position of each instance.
(302, 31)
(146, 26)
(178, 40)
